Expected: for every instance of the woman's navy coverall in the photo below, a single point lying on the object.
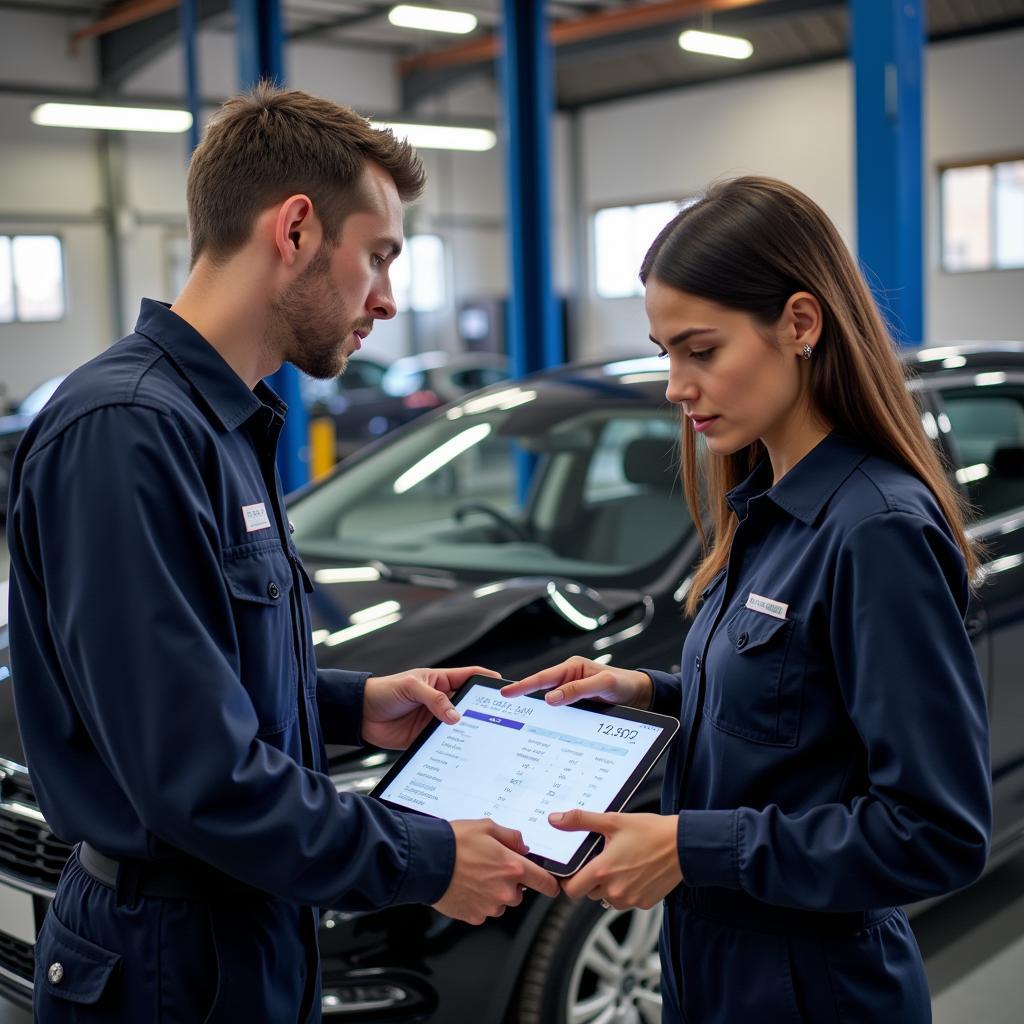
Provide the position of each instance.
(833, 762)
(170, 704)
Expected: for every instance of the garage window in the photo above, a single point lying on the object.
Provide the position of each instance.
(418, 277)
(622, 236)
(31, 278)
(983, 216)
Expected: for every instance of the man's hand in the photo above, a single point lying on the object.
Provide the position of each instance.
(639, 865)
(490, 873)
(396, 708)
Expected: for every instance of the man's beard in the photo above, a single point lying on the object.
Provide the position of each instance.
(306, 322)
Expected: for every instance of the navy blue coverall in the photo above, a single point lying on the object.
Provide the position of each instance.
(172, 713)
(834, 760)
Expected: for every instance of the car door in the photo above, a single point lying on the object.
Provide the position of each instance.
(984, 420)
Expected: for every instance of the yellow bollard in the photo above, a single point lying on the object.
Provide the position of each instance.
(322, 446)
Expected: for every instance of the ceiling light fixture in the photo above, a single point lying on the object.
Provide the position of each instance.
(716, 45)
(118, 119)
(431, 19)
(438, 136)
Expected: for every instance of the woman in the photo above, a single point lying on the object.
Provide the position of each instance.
(833, 761)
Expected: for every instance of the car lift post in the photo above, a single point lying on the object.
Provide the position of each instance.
(261, 56)
(887, 46)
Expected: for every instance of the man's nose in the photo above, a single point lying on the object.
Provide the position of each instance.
(381, 304)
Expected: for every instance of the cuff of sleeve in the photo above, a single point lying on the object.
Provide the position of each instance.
(339, 698)
(431, 859)
(709, 848)
(667, 698)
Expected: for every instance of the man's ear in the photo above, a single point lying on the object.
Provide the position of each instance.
(297, 231)
(801, 321)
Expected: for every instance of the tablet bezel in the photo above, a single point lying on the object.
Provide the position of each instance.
(669, 727)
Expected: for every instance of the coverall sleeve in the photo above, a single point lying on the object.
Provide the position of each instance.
(339, 696)
(141, 613)
(667, 698)
(910, 682)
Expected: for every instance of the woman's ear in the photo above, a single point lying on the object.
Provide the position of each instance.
(800, 323)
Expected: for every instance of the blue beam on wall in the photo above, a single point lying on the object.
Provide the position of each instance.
(535, 339)
(261, 55)
(887, 46)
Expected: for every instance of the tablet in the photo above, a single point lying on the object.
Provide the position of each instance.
(517, 759)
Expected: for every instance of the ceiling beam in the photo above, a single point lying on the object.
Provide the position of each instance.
(604, 23)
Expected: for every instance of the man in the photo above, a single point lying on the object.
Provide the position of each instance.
(171, 710)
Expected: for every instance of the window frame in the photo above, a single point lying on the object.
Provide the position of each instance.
(989, 162)
(686, 200)
(16, 320)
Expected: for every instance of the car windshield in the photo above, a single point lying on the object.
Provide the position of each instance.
(515, 481)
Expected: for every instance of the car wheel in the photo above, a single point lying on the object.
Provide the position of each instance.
(590, 966)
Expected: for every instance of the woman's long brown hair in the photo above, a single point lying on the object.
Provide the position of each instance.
(748, 244)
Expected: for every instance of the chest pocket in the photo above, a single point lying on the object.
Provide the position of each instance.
(259, 579)
(758, 680)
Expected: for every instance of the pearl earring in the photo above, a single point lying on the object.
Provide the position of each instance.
(807, 351)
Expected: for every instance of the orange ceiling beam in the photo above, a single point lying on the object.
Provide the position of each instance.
(127, 14)
(562, 33)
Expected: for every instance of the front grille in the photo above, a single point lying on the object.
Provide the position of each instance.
(17, 956)
(28, 849)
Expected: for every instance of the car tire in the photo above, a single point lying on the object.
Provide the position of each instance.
(588, 957)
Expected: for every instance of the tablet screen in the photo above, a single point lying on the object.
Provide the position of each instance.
(515, 760)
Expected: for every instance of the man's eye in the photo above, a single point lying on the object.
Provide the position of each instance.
(703, 355)
(378, 260)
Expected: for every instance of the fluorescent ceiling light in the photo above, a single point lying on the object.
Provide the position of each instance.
(118, 119)
(431, 19)
(716, 45)
(438, 136)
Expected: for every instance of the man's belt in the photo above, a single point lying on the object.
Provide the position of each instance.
(191, 881)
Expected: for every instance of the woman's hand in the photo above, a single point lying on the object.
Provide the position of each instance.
(639, 865)
(396, 708)
(580, 677)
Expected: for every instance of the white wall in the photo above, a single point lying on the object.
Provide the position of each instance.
(974, 110)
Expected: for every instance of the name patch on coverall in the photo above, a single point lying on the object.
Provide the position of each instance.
(758, 603)
(256, 517)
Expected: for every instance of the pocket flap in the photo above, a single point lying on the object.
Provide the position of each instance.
(749, 630)
(72, 968)
(261, 576)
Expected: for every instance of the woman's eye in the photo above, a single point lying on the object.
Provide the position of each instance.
(377, 260)
(703, 355)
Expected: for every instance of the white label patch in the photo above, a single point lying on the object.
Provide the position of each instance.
(255, 517)
(757, 603)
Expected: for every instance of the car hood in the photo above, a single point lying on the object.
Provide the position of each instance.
(411, 618)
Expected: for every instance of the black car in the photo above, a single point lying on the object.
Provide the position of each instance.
(521, 525)
(13, 425)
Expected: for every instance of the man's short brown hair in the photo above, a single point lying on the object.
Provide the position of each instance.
(269, 143)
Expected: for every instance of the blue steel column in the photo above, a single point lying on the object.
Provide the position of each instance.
(189, 17)
(535, 338)
(261, 55)
(888, 60)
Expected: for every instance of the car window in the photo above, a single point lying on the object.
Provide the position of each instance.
(360, 374)
(457, 492)
(619, 467)
(987, 427)
(400, 382)
(476, 377)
